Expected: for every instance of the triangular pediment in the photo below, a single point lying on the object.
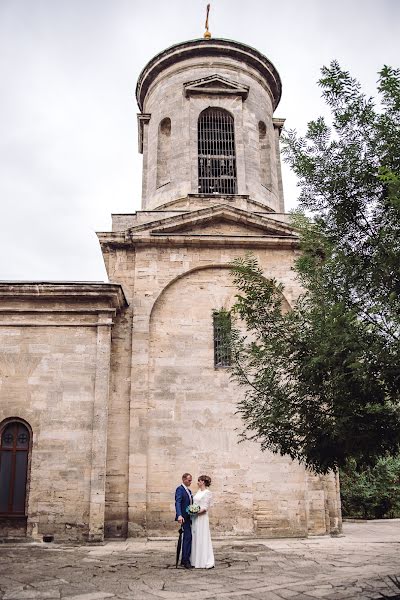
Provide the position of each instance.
(216, 84)
(218, 221)
(219, 226)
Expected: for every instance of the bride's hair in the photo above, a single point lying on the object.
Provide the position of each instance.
(206, 479)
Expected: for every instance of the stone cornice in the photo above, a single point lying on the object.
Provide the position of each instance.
(214, 47)
(108, 296)
(278, 124)
(118, 240)
(178, 230)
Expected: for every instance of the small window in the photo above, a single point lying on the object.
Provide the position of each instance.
(14, 453)
(222, 331)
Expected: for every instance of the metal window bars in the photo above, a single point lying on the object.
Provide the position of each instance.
(216, 152)
(222, 329)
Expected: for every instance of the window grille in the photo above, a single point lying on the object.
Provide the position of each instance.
(222, 330)
(216, 152)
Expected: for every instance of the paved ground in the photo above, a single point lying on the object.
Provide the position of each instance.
(362, 564)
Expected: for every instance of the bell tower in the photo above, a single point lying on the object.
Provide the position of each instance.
(206, 127)
(212, 192)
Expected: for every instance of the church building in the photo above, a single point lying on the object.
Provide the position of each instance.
(110, 391)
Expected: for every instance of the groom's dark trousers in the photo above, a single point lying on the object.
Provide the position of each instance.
(182, 500)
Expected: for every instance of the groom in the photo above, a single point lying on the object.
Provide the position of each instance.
(183, 498)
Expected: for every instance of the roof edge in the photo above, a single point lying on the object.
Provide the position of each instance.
(65, 290)
(211, 47)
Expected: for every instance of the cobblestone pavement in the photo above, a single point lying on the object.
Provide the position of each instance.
(362, 564)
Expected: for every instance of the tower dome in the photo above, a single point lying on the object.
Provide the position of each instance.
(206, 126)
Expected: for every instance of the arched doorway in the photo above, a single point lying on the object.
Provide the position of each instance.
(15, 438)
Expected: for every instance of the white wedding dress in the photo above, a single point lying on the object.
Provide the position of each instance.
(202, 556)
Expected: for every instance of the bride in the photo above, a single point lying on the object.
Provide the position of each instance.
(202, 556)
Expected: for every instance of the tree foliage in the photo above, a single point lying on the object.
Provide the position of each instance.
(322, 381)
(371, 492)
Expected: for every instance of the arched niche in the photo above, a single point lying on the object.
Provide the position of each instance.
(191, 419)
(164, 152)
(265, 154)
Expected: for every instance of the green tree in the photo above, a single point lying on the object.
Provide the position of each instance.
(371, 492)
(322, 381)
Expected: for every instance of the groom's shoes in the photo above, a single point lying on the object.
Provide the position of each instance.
(187, 566)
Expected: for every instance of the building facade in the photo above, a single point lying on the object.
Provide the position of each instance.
(117, 389)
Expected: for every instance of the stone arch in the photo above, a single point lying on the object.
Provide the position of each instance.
(219, 108)
(220, 296)
(191, 420)
(185, 274)
(286, 303)
(8, 420)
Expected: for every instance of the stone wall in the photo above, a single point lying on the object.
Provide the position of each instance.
(182, 410)
(54, 374)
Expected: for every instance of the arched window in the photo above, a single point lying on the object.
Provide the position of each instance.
(216, 152)
(265, 154)
(164, 152)
(14, 453)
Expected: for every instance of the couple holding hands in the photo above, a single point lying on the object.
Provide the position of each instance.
(192, 515)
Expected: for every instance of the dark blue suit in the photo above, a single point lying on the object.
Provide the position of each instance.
(182, 501)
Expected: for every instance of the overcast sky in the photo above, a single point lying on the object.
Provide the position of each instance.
(68, 70)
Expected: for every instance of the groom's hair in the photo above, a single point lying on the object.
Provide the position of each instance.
(186, 475)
